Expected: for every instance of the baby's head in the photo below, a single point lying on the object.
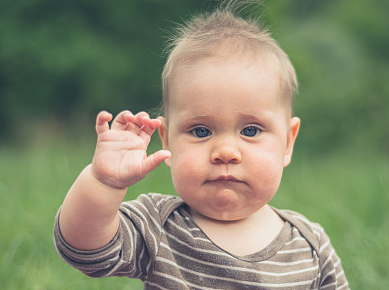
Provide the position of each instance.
(223, 35)
(228, 91)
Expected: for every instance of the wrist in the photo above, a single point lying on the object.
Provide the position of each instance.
(89, 215)
(104, 182)
(100, 182)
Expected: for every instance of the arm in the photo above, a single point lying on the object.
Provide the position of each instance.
(332, 275)
(89, 216)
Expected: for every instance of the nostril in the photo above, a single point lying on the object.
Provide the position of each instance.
(225, 155)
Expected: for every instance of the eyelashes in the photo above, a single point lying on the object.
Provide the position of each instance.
(249, 131)
(201, 132)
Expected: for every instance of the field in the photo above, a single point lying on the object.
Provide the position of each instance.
(347, 193)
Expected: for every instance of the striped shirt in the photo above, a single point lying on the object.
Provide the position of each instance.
(158, 242)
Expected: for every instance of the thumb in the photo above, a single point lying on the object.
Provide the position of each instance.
(152, 161)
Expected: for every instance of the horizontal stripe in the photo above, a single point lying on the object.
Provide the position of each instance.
(187, 232)
(293, 251)
(204, 251)
(242, 269)
(237, 281)
(178, 255)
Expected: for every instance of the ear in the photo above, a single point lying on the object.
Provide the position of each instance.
(164, 136)
(294, 126)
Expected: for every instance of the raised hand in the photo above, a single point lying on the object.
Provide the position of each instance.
(120, 158)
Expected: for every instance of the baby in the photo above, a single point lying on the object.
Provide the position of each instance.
(227, 134)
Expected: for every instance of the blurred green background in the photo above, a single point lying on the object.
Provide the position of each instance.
(62, 62)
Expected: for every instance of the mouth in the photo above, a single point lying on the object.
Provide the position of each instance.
(229, 178)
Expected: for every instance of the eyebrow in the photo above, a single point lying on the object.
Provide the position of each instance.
(251, 116)
(264, 116)
(194, 117)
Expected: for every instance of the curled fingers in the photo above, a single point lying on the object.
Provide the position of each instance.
(146, 124)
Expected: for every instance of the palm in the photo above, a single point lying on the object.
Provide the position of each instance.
(120, 159)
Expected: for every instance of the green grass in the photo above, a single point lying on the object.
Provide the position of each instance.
(348, 194)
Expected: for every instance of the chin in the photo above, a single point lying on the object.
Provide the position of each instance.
(228, 214)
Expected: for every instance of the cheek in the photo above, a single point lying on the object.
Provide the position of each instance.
(267, 172)
(187, 168)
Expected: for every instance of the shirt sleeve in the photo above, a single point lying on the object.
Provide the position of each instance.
(130, 253)
(332, 275)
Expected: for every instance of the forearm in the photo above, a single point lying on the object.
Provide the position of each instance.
(89, 216)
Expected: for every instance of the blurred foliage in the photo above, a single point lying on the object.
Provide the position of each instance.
(68, 60)
(341, 53)
(60, 59)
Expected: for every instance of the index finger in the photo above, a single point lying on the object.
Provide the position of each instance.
(122, 120)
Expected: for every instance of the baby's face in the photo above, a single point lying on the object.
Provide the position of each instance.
(230, 137)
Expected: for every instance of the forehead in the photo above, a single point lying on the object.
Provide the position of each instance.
(258, 62)
(211, 86)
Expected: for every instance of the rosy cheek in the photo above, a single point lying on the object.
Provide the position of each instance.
(186, 158)
(186, 173)
(183, 164)
(268, 170)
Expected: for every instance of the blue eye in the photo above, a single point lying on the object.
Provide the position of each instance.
(250, 131)
(201, 132)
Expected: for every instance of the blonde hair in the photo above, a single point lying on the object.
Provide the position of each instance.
(223, 33)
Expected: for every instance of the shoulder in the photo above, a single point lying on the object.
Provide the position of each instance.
(155, 204)
(331, 271)
(311, 231)
(330, 268)
(299, 219)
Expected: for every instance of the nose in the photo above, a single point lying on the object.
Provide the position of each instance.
(226, 152)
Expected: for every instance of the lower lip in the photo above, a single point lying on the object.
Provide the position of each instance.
(225, 181)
